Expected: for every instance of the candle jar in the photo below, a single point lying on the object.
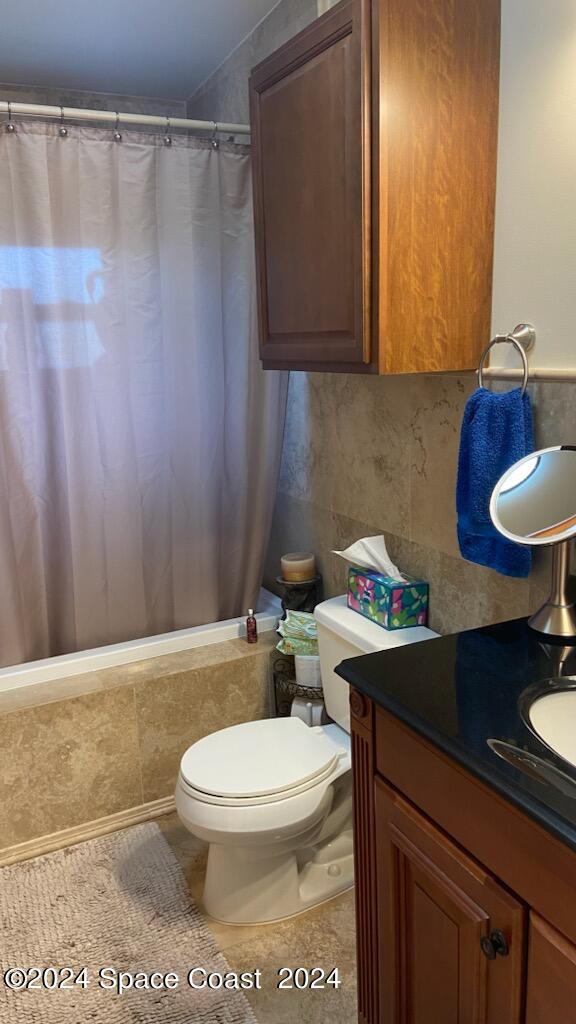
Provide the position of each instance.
(298, 567)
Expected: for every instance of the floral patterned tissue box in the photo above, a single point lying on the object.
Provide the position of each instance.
(391, 604)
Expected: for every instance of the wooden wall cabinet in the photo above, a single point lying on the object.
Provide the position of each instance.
(374, 136)
(459, 896)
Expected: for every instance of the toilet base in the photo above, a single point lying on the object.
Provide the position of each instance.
(255, 885)
(279, 920)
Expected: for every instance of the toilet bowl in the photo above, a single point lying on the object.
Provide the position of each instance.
(273, 798)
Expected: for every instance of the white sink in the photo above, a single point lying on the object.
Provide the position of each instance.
(553, 718)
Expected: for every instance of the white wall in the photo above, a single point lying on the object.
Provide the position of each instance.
(535, 253)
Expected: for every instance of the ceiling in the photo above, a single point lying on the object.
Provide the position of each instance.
(163, 48)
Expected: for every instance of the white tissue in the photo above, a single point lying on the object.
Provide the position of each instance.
(371, 553)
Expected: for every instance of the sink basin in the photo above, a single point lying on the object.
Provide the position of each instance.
(553, 718)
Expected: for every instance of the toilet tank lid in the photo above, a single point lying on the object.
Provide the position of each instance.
(367, 636)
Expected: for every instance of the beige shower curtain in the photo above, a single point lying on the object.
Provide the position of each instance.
(139, 438)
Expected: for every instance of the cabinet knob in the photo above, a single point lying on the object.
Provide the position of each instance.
(496, 944)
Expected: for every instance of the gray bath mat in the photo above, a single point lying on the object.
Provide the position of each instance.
(117, 902)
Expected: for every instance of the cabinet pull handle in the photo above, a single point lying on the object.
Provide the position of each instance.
(494, 945)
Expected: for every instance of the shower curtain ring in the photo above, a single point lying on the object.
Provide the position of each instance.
(62, 131)
(167, 137)
(215, 143)
(117, 132)
(10, 126)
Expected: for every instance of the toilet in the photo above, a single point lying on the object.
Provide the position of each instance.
(273, 798)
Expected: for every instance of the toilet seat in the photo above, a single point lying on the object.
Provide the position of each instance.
(270, 818)
(260, 762)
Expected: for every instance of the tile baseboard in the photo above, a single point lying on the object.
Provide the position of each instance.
(88, 830)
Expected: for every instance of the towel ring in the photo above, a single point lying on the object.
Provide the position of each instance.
(522, 338)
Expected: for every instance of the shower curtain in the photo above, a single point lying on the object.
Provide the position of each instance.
(139, 437)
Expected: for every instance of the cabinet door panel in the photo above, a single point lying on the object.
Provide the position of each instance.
(551, 996)
(436, 904)
(311, 195)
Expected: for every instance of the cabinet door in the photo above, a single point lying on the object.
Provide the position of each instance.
(435, 906)
(551, 996)
(311, 161)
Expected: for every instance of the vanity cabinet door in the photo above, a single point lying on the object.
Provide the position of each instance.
(311, 156)
(551, 995)
(437, 909)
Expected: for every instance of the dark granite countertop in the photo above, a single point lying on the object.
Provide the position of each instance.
(465, 691)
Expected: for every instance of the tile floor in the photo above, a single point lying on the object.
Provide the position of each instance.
(323, 937)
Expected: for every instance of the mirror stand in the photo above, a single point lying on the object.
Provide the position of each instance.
(534, 503)
(557, 617)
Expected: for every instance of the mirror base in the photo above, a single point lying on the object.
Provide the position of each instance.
(555, 620)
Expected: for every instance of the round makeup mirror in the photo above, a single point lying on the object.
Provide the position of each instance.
(534, 503)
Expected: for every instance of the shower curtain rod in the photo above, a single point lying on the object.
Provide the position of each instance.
(113, 118)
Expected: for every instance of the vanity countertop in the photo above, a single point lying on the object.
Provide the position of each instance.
(462, 692)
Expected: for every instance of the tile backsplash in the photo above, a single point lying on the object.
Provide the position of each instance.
(368, 455)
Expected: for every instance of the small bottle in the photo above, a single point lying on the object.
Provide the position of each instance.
(251, 628)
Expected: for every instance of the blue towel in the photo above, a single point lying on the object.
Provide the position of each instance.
(496, 432)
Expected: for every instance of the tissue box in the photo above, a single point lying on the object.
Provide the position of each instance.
(391, 604)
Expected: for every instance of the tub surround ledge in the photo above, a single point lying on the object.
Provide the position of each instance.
(81, 756)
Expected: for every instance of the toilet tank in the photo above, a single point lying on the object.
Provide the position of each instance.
(344, 633)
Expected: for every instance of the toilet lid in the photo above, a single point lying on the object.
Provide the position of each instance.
(258, 759)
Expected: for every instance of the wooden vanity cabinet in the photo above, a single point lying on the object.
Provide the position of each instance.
(374, 136)
(459, 896)
(551, 990)
(437, 905)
